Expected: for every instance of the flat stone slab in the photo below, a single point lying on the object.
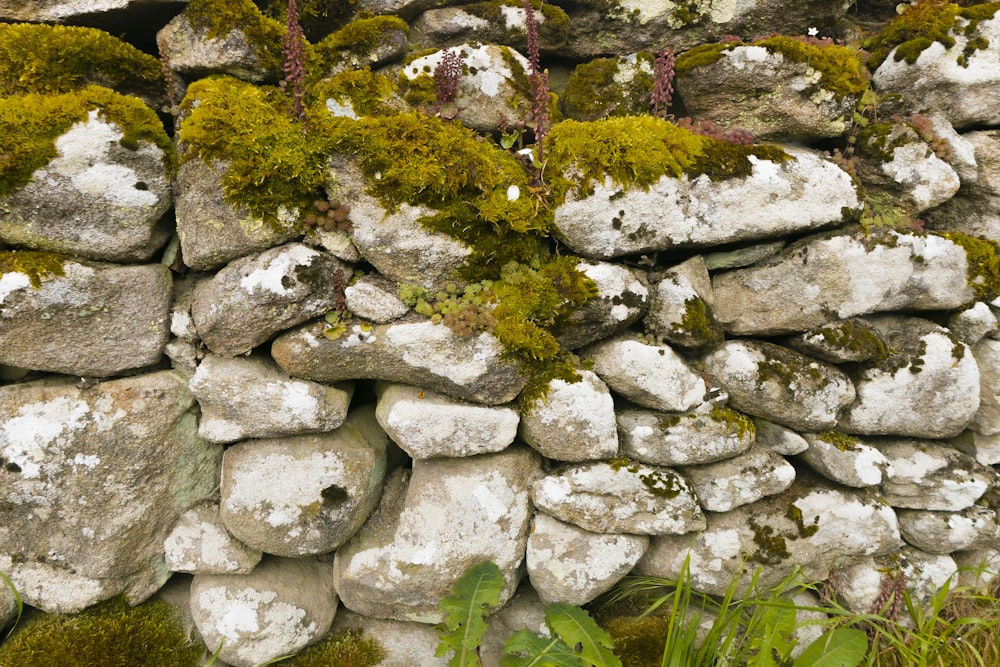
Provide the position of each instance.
(700, 436)
(929, 475)
(740, 480)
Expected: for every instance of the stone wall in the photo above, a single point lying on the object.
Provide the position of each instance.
(310, 352)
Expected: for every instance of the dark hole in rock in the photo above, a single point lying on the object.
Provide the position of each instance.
(10, 466)
(141, 185)
(334, 494)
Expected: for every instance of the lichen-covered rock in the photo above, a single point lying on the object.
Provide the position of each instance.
(252, 398)
(740, 480)
(305, 494)
(83, 318)
(782, 440)
(405, 643)
(975, 209)
(128, 454)
(845, 459)
(839, 276)
(860, 585)
(374, 298)
(944, 532)
(410, 351)
(603, 87)
(429, 529)
(708, 434)
(923, 179)
(622, 298)
(846, 341)
(491, 23)
(199, 544)
(971, 325)
(278, 609)
(926, 387)
(984, 448)
(196, 48)
(620, 497)
(426, 424)
(60, 10)
(680, 308)
(574, 421)
(653, 376)
(773, 382)
(99, 198)
(256, 296)
(569, 565)
(926, 475)
(987, 418)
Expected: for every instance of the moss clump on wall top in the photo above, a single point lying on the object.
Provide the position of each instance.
(111, 634)
(366, 93)
(360, 35)
(60, 59)
(220, 17)
(595, 91)
(30, 125)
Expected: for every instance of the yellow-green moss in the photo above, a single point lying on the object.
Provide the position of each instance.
(639, 640)
(699, 321)
(38, 266)
(736, 422)
(220, 17)
(272, 162)
(983, 257)
(368, 94)
(854, 337)
(592, 91)
(350, 648)
(110, 634)
(30, 124)
(360, 35)
(772, 548)
(795, 514)
(842, 441)
(60, 59)
(699, 56)
(841, 72)
(661, 482)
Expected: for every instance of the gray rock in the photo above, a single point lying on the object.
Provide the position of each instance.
(861, 585)
(193, 53)
(127, 454)
(975, 527)
(926, 475)
(734, 259)
(490, 23)
(412, 351)
(524, 611)
(741, 480)
(622, 298)
(569, 565)
(60, 10)
(278, 609)
(254, 297)
(426, 424)
(253, 398)
(702, 436)
(973, 324)
(845, 341)
(845, 459)
(681, 309)
(305, 494)
(405, 643)
(773, 382)
(975, 209)
(199, 544)
(575, 421)
(374, 299)
(96, 199)
(428, 530)
(984, 448)
(95, 320)
(782, 440)
(620, 498)
(978, 567)
(987, 418)
(923, 179)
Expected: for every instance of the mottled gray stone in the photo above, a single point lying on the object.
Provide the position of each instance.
(973, 324)
(622, 298)
(782, 440)
(193, 52)
(975, 527)
(860, 584)
(740, 480)
(928, 475)
(524, 611)
(845, 341)
(406, 644)
(987, 418)
(845, 459)
(574, 421)
(975, 209)
(681, 309)
(375, 299)
(702, 436)
(199, 544)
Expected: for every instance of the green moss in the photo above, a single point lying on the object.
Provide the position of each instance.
(771, 546)
(367, 94)
(109, 634)
(787, 369)
(983, 257)
(360, 36)
(842, 441)
(841, 72)
(30, 124)
(854, 336)
(795, 514)
(699, 322)
(699, 56)
(60, 59)
(38, 266)
(639, 640)
(350, 648)
(272, 162)
(220, 17)
(593, 93)
(736, 422)
(660, 481)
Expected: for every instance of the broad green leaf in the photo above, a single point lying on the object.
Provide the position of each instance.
(773, 635)
(843, 647)
(526, 649)
(575, 627)
(465, 609)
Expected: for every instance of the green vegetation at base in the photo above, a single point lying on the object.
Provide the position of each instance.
(350, 648)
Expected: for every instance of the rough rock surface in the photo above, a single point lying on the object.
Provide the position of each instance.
(927, 475)
(739, 480)
(622, 298)
(782, 440)
(975, 209)
(405, 643)
(199, 544)
(191, 52)
(701, 436)
(975, 527)
(575, 421)
(681, 309)
(987, 355)
(844, 459)
(859, 585)
(374, 299)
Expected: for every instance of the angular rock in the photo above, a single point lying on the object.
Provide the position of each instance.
(972, 325)
(846, 341)
(252, 398)
(426, 424)
(254, 297)
(374, 299)
(944, 532)
(278, 609)
(429, 529)
(569, 565)
(926, 475)
(810, 526)
(773, 382)
(680, 307)
(839, 276)
(411, 351)
(860, 585)
(199, 544)
(620, 498)
(192, 51)
(305, 494)
(975, 209)
(490, 23)
(782, 440)
(802, 194)
(927, 387)
(924, 179)
(405, 643)
(93, 320)
(987, 418)
(701, 436)
(575, 421)
(96, 199)
(741, 480)
(845, 459)
(653, 376)
(984, 448)
(93, 479)
(622, 297)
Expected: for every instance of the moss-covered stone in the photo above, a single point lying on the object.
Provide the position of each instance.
(553, 26)
(609, 87)
(737, 422)
(360, 36)
(983, 256)
(363, 92)
(38, 266)
(842, 441)
(851, 335)
(699, 56)
(350, 648)
(840, 69)
(220, 17)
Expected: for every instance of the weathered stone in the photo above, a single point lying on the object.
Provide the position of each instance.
(569, 565)
(193, 52)
(411, 351)
(428, 530)
(839, 276)
(702, 436)
(613, 498)
(925, 475)
(374, 298)
(987, 418)
(198, 543)
(809, 526)
(860, 585)
(680, 307)
(93, 479)
(984, 448)
(653, 376)
(426, 424)
(524, 611)
(802, 194)
(60, 10)
(927, 387)
(773, 382)
(845, 459)
(978, 568)
(975, 209)
(622, 297)
(95, 320)
(574, 421)
(252, 398)
(602, 87)
(734, 259)
(741, 480)
(921, 177)
(254, 297)
(845, 341)
(973, 324)
(944, 532)
(405, 643)
(490, 23)
(96, 199)
(305, 494)
(782, 440)
(278, 609)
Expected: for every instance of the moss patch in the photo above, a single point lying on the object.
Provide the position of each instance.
(220, 17)
(593, 92)
(699, 56)
(553, 28)
(842, 441)
(660, 481)
(699, 322)
(38, 266)
(855, 336)
(360, 36)
(983, 257)
(351, 648)
(737, 423)
(841, 72)
(367, 94)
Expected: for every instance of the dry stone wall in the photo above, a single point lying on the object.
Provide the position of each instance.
(296, 363)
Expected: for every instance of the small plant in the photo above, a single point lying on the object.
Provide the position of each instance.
(663, 83)
(447, 76)
(293, 48)
(474, 596)
(330, 215)
(707, 128)
(539, 81)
